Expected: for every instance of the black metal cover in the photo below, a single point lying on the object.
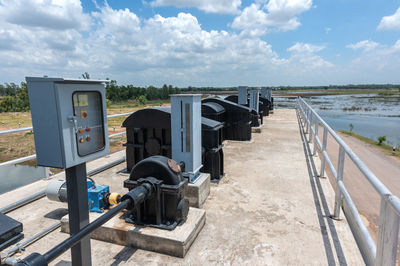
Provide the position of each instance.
(10, 231)
(149, 133)
(265, 104)
(237, 118)
(167, 206)
(256, 115)
(213, 111)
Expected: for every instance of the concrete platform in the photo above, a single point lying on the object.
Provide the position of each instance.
(256, 129)
(198, 191)
(175, 243)
(270, 209)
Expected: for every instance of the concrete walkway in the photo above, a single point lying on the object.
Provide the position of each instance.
(271, 209)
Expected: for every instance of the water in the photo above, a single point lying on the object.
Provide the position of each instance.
(371, 115)
(14, 176)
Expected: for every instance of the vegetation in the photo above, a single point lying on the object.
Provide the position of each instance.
(381, 140)
(384, 147)
(117, 93)
(15, 98)
(351, 126)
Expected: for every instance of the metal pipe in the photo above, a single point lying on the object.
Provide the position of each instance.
(328, 161)
(5, 257)
(105, 167)
(364, 240)
(118, 115)
(74, 239)
(33, 156)
(16, 130)
(19, 160)
(117, 134)
(41, 194)
(23, 202)
(375, 182)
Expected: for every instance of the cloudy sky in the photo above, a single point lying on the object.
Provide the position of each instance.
(203, 42)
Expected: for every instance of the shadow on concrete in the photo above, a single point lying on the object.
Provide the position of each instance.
(123, 255)
(57, 214)
(321, 206)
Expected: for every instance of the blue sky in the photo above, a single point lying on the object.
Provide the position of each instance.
(203, 42)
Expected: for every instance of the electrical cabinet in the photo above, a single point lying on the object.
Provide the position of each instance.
(69, 120)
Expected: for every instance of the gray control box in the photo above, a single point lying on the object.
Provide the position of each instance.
(69, 120)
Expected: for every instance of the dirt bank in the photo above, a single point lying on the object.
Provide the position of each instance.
(385, 167)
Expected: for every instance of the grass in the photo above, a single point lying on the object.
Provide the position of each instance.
(384, 147)
(16, 145)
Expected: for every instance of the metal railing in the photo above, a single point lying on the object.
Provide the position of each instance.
(33, 156)
(384, 252)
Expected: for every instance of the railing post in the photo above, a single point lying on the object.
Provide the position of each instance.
(338, 192)
(324, 143)
(315, 136)
(307, 111)
(386, 250)
(311, 123)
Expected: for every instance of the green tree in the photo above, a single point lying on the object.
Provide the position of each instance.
(142, 99)
(351, 127)
(381, 139)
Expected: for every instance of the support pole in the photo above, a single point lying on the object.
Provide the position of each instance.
(78, 211)
(324, 143)
(338, 192)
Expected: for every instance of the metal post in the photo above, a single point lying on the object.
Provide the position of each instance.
(315, 137)
(307, 120)
(338, 193)
(311, 122)
(388, 234)
(78, 211)
(324, 143)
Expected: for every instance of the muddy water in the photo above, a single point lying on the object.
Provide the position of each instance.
(371, 115)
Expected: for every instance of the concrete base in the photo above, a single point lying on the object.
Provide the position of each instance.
(256, 129)
(175, 243)
(198, 191)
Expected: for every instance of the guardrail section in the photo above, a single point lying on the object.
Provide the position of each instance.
(384, 252)
(33, 156)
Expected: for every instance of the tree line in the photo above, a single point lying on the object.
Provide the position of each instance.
(14, 97)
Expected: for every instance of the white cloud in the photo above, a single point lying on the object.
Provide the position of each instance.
(379, 65)
(175, 50)
(304, 57)
(209, 6)
(327, 30)
(51, 14)
(390, 22)
(280, 14)
(365, 45)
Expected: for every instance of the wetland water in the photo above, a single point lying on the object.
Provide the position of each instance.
(15, 176)
(371, 115)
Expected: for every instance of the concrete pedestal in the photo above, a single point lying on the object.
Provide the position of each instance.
(175, 243)
(198, 192)
(256, 129)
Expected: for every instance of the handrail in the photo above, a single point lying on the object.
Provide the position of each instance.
(33, 156)
(16, 130)
(385, 251)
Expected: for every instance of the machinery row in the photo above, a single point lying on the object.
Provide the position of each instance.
(167, 150)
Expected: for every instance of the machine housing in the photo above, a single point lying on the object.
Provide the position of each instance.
(69, 120)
